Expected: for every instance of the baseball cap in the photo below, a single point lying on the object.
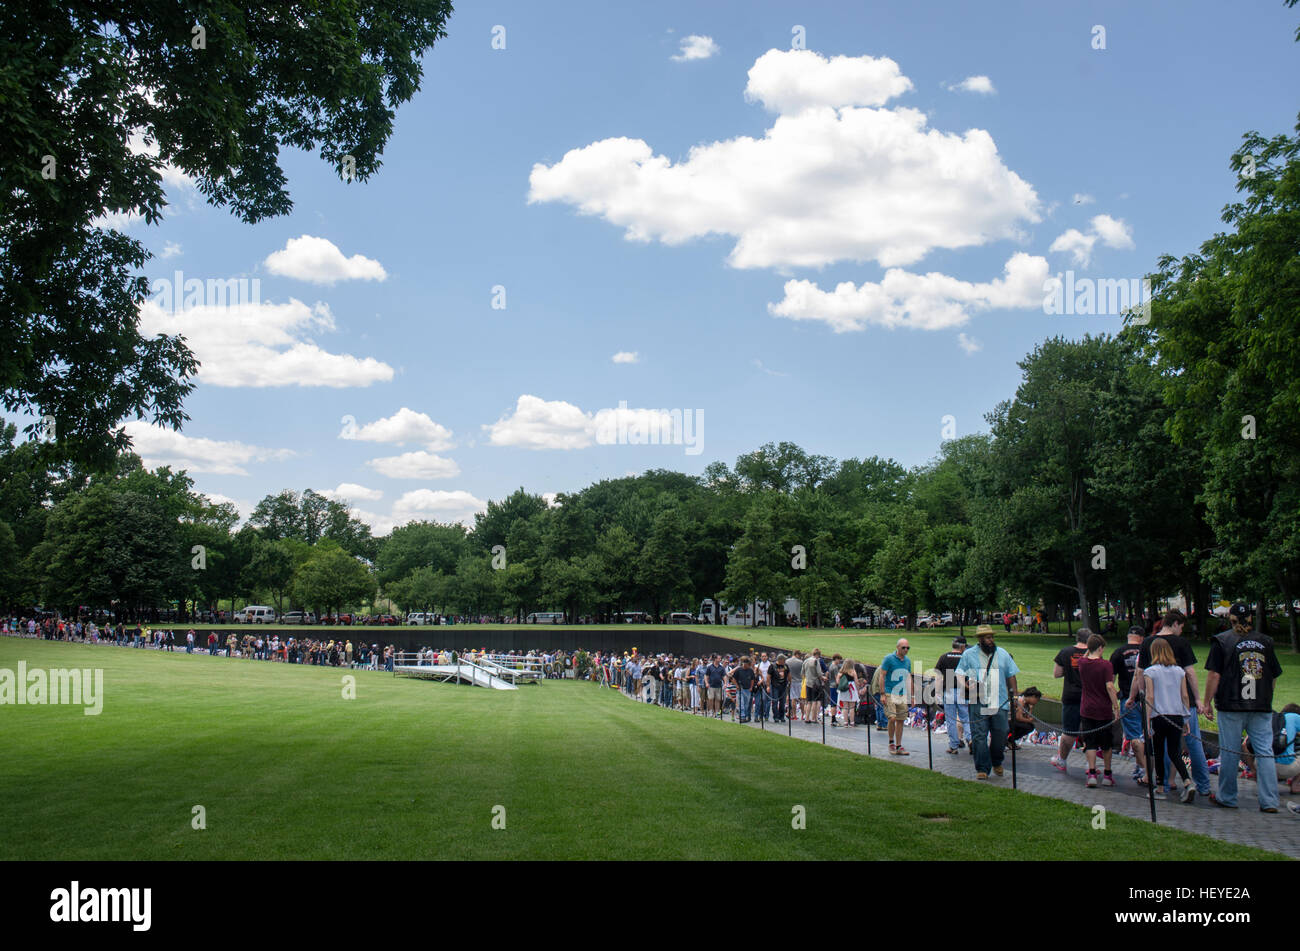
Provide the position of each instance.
(1240, 610)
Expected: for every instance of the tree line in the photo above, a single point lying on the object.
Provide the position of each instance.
(1125, 468)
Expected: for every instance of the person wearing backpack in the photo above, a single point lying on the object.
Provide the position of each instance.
(1242, 669)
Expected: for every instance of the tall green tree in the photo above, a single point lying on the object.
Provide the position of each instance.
(98, 100)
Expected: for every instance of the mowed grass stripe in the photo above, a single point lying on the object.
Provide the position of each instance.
(288, 769)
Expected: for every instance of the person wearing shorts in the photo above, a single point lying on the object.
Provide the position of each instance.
(896, 689)
(812, 680)
(1098, 709)
(1124, 662)
(1067, 666)
(714, 675)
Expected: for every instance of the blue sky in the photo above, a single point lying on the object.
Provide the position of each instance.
(868, 155)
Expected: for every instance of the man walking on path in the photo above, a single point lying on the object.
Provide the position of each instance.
(1243, 667)
(1123, 661)
(1067, 666)
(991, 674)
(896, 686)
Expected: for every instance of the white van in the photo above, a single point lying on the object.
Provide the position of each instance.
(419, 618)
(545, 617)
(257, 614)
(681, 617)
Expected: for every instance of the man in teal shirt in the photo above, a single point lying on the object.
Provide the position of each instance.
(896, 693)
(994, 672)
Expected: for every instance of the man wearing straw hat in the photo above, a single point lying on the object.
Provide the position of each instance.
(991, 675)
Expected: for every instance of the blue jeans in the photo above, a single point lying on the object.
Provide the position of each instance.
(762, 703)
(1259, 727)
(1196, 753)
(981, 726)
(954, 713)
(743, 700)
(881, 719)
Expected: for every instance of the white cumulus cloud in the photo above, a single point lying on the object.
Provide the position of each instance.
(351, 491)
(415, 465)
(930, 301)
(823, 184)
(541, 424)
(406, 425)
(437, 505)
(536, 423)
(977, 84)
(1112, 232)
(319, 260)
(159, 446)
(969, 344)
(696, 47)
(259, 344)
(789, 81)
(626, 356)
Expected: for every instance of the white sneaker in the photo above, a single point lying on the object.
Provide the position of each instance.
(1056, 761)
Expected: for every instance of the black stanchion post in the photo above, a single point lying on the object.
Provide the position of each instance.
(929, 737)
(821, 715)
(1011, 730)
(789, 704)
(1146, 748)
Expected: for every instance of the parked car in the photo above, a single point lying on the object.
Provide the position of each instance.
(681, 617)
(419, 617)
(294, 617)
(257, 614)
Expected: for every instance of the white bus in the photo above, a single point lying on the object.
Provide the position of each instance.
(545, 617)
(754, 614)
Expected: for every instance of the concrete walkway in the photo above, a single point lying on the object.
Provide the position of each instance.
(1035, 774)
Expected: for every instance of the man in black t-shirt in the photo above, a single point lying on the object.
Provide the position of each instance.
(1067, 666)
(713, 676)
(744, 677)
(1124, 661)
(956, 711)
(1242, 667)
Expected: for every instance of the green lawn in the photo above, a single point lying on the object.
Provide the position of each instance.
(288, 769)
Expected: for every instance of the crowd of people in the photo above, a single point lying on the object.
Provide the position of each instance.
(1147, 691)
(323, 652)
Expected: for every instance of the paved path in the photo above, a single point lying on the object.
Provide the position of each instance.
(1035, 774)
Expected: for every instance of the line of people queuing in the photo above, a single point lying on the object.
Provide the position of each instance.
(1146, 687)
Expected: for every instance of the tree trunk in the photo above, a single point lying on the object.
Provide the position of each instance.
(1081, 590)
(1261, 614)
(1291, 617)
